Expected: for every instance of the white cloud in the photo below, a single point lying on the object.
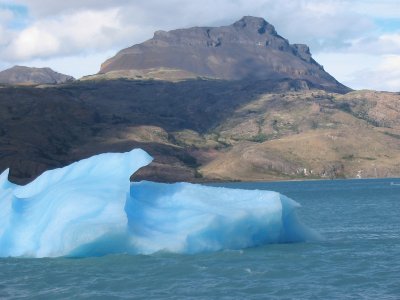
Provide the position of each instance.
(77, 33)
(386, 76)
(74, 30)
(377, 72)
(77, 65)
(320, 24)
(375, 9)
(383, 44)
(5, 16)
(32, 42)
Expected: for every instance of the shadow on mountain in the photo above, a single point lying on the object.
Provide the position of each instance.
(44, 128)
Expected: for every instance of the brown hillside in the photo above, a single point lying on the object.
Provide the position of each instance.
(203, 129)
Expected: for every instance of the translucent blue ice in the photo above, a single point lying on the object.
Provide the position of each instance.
(89, 208)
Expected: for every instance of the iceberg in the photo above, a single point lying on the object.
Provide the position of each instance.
(192, 218)
(89, 208)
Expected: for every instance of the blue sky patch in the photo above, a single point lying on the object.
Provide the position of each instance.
(388, 25)
(20, 15)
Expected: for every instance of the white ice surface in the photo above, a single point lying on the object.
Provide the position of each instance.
(89, 208)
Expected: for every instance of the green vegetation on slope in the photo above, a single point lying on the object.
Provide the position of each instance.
(203, 129)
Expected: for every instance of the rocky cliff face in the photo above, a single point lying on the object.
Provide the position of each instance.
(20, 75)
(248, 49)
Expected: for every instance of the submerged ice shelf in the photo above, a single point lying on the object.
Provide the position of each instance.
(89, 208)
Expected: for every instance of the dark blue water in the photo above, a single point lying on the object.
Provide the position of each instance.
(359, 257)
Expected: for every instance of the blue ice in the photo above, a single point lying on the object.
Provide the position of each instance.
(89, 208)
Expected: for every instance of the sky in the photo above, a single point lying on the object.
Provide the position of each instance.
(357, 41)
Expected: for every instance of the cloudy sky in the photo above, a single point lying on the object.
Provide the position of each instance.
(357, 41)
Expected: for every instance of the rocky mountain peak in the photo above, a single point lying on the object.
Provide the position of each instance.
(255, 24)
(21, 75)
(250, 48)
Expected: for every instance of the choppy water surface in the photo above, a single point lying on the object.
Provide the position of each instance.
(358, 258)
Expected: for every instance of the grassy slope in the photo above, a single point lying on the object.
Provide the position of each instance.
(312, 134)
(203, 130)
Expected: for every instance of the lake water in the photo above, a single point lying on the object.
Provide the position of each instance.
(358, 258)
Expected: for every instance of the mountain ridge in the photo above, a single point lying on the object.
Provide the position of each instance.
(249, 49)
(202, 130)
(21, 75)
(295, 125)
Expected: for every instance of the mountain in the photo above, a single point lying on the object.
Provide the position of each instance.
(20, 75)
(202, 130)
(224, 120)
(248, 49)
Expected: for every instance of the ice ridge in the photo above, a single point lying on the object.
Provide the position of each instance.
(89, 208)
